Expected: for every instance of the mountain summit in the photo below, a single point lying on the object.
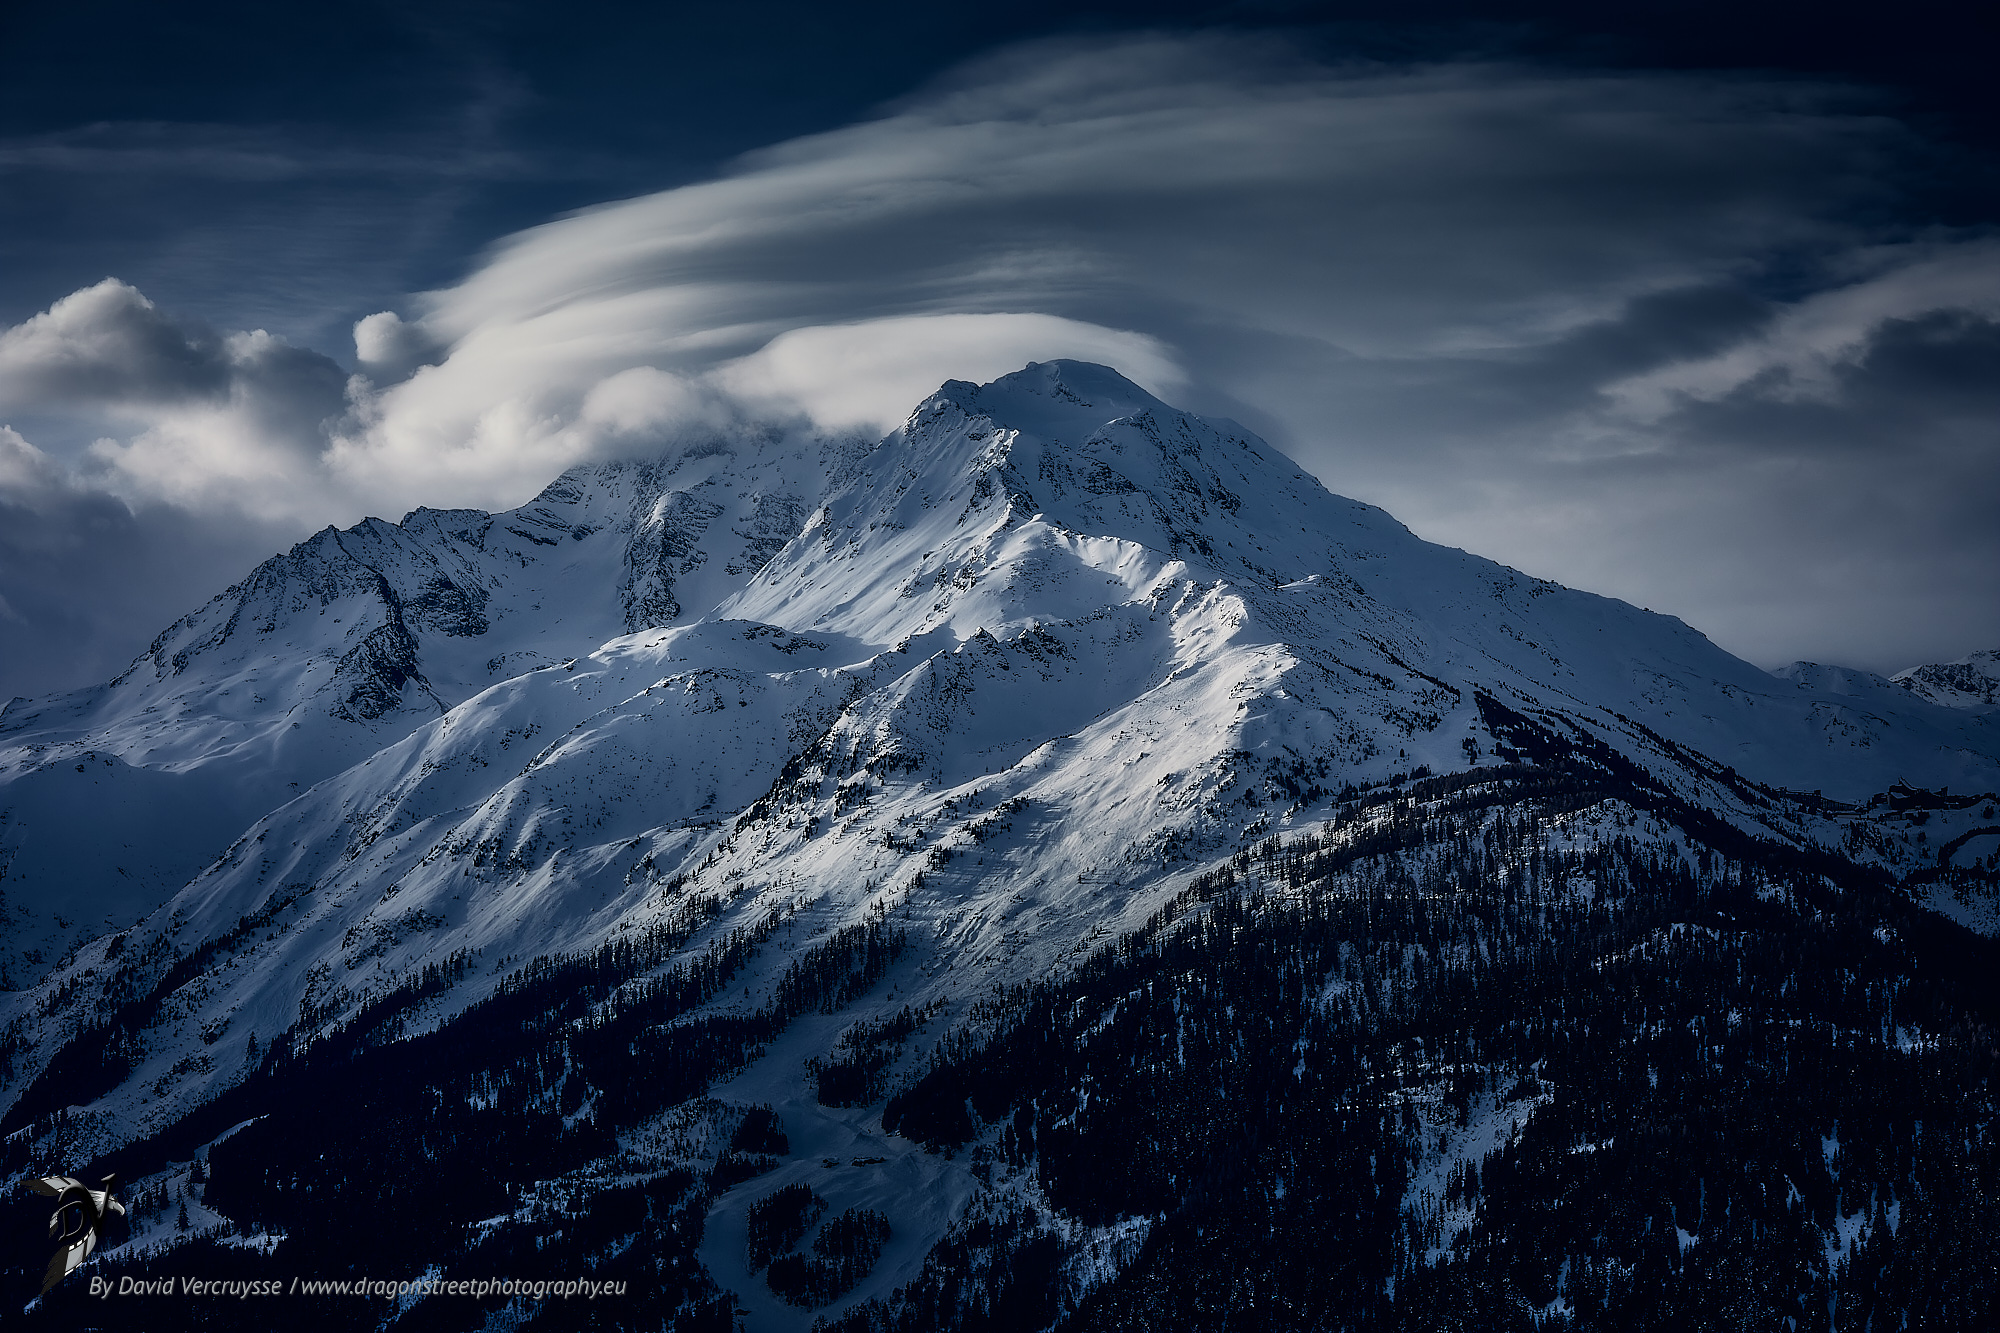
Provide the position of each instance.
(780, 770)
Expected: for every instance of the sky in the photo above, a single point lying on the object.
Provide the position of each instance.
(1693, 304)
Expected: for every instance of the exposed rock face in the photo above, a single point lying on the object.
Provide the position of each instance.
(1970, 682)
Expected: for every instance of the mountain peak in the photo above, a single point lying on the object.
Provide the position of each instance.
(1973, 681)
(740, 778)
(1048, 395)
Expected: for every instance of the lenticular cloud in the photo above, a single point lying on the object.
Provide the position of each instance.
(1273, 230)
(1538, 314)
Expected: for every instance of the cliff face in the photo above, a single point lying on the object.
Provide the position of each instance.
(1972, 682)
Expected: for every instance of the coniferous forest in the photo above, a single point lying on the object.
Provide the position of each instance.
(1533, 1046)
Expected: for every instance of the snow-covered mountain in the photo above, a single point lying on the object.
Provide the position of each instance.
(1972, 681)
(937, 714)
(112, 797)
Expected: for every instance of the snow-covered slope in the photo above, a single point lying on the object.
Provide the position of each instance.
(704, 773)
(1007, 678)
(1970, 682)
(933, 717)
(345, 644)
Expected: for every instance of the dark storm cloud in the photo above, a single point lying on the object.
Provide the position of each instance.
(1812, 488)
(1875, 486)
(79, 569)
(1945, 361)
(95, 559)
(1913, 391)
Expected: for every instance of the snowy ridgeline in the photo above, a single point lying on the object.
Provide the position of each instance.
(771, 772)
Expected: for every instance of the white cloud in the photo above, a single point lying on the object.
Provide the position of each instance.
(24, 469)
(869, 375)
(1384, 211)
(1144, 202)
(109, 344)
(211, 422)
(386, 346)
(1141, 202)
(1492, 299)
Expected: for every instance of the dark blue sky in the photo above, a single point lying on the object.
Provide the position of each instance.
(295, 167)
(1699, 191)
